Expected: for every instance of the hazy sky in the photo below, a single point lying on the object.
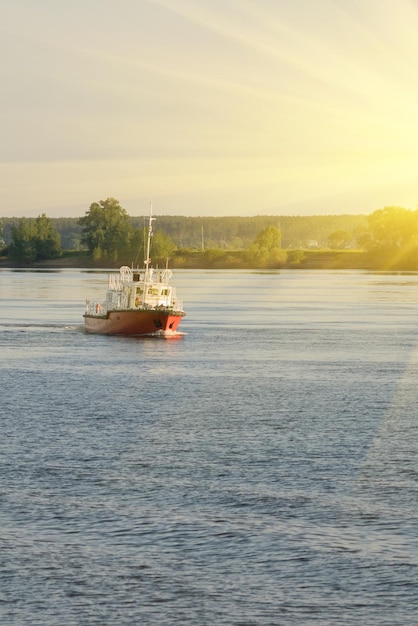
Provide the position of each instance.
(208, 107)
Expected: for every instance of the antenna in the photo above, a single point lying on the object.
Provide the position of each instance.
(147, 260)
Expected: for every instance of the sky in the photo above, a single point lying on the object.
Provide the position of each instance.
(208, 107)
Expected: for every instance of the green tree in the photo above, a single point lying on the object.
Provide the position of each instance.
(339, 239)
(23, 241)
(47, 240)
(391, 228)
(392, 237)
(106, 230)
(266, 249)
(269, 238)
(34, 240)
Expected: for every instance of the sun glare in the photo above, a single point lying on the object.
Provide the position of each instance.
(279, 104)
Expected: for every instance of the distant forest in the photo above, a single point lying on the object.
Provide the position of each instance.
(228, 233)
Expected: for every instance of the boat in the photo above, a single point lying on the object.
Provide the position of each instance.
(138, 302)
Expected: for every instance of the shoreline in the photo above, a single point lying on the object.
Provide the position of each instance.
(308, 260)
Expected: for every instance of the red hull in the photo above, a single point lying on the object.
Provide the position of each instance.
(133, 323)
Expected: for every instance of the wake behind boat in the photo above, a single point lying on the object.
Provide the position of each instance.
(138, 302)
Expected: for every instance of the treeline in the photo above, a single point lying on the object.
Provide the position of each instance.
(224, 233)
(237, 233)
(107, 235)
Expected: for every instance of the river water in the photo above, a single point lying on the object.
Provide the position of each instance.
(259, 470)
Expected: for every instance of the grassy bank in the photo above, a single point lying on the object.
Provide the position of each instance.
(220, 259)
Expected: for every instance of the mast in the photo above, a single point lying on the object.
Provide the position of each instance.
(147, 259)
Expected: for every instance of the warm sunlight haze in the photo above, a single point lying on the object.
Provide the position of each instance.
(209, 107)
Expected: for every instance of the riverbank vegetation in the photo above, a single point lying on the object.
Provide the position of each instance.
(34, 240)
(106, 236)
